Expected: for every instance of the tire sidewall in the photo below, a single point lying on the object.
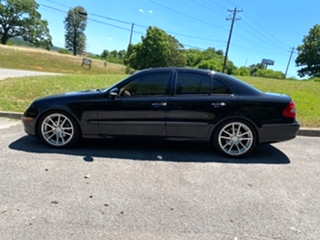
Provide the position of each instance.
(215, 137)
(76, 129)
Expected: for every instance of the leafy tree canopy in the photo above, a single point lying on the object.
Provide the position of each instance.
(309, 54)
(157, 49)
(114, 56)
(75, 25)
(20, 18)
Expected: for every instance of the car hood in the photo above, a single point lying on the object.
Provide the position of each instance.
(72, 95)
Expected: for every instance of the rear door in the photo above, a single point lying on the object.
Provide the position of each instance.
(197, 104)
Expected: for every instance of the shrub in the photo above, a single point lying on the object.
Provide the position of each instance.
(64, 51)
(268, 73)
(242, 71)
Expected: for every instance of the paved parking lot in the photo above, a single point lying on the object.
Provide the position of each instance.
(152, 190)
(9, 73)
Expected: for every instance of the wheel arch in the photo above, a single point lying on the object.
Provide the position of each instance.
(56, 109)
(235, 118)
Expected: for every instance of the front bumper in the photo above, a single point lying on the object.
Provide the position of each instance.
(29, 124)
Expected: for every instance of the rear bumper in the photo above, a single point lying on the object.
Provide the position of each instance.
(278, 132)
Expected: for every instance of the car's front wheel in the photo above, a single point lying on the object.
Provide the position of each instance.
(58, 129)
(234, 138)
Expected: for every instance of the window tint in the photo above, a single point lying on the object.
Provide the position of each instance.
(148, 84)
(193, 83)
(220, 88)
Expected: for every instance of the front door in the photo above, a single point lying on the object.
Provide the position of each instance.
(139, 109)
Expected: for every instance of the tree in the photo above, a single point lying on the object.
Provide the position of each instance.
(157, 49)
(75, 25)
(122, 54)
(309, 54)
(253, 68)
(268, 73)
(194, 57)
(208, 59)
(132, 60)
(242, 71)
(20, 18)
(178, 56)
(105, 54)
(114, 54)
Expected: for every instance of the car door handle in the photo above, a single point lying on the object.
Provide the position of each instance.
(161, 104)
(217, 105)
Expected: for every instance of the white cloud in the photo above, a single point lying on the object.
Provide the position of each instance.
(150, 11)
(141, 10)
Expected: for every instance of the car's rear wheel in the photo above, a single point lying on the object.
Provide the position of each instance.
(235, 138)
(58, 129)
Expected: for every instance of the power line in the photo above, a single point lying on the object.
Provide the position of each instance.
(258, 36)
(186, 15)
(128, 23)
(218, 7)
(246, 25)
(209, 3)
(271, 38)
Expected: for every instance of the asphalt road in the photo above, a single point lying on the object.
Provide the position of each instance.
(9, 73)
(152, 190)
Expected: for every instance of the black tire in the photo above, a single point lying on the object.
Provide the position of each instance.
(58, 129)
(234, 138)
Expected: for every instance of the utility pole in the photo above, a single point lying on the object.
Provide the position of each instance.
(132, 26)
(235, 11)
(292, 50)
(129, 49)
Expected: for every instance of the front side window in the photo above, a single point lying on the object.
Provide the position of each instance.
(147, 84)
(193, 83)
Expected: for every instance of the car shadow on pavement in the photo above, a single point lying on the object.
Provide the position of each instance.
(90, 149)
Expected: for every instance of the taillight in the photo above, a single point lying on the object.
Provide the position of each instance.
(290, 110)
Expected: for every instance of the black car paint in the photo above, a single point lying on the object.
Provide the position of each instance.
(100, 114)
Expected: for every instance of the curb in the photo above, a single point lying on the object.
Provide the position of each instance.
(13, 115)
(308, 132)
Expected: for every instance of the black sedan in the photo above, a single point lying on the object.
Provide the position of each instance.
(167, 103)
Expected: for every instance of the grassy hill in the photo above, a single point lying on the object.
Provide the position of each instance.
(17, 93)
(25, 58)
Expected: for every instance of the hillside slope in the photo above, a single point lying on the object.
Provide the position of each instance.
(25, 58)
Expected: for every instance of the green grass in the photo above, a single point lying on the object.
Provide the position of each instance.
(49, 61)
(17, 93)
(305, 94)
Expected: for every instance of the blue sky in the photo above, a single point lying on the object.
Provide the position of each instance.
(265, 29)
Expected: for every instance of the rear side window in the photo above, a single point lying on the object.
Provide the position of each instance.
(220, 88)
(193, 83)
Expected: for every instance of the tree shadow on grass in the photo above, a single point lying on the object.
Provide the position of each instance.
(151, 151)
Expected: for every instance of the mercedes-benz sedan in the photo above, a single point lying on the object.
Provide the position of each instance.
(171, 104)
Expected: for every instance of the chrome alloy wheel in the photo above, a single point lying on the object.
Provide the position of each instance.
(235, 139)
(57, 129)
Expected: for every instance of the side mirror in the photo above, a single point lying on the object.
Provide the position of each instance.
(114, 93)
